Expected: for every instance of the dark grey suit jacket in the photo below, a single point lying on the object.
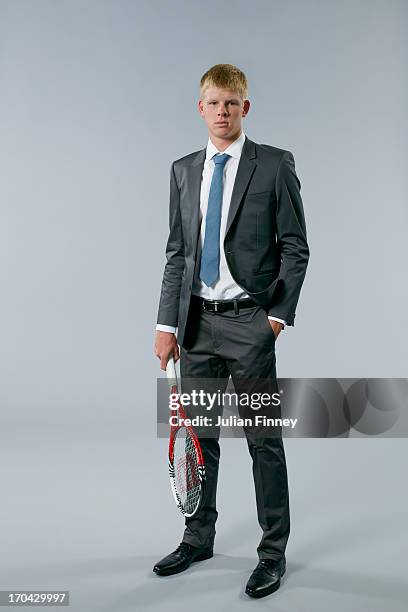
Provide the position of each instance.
(265, 241)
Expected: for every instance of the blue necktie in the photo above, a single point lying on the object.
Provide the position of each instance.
(210, 255)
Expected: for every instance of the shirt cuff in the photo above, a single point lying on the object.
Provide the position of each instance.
(276, 319)
(166, 328)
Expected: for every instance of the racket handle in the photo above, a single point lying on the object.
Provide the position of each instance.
(171, 372)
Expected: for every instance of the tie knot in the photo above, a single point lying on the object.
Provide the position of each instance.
(221, 158)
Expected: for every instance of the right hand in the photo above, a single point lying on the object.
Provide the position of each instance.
(166, 346)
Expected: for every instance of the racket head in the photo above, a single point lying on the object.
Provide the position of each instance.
(186, 470)
(186, 462)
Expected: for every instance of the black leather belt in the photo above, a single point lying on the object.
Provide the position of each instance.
(223, 305)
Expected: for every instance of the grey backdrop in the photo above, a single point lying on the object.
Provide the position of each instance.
(97, 99)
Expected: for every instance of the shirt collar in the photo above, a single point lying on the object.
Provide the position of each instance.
(234, 149)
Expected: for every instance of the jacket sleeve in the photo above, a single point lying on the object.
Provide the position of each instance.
(173, 271)
(291, 240)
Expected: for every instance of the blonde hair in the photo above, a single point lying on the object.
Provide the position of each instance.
(226, 76)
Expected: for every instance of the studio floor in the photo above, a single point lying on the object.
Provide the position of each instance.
(89, 510)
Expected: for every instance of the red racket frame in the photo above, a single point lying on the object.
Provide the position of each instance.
(172, 379)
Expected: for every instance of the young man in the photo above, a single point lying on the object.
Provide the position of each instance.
(236, 259)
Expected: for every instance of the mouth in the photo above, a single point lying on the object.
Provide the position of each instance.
(222, 123)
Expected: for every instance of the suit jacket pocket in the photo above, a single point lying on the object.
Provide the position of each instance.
(268, 271)
(253, 194)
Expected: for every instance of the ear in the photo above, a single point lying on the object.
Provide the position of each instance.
(245, 110)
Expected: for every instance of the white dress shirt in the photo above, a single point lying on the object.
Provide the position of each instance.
(225, 288)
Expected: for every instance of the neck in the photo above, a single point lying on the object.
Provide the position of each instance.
(224, 143)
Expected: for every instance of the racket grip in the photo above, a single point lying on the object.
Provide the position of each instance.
(171, 372)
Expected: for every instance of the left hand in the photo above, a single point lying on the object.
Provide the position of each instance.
(276, 326)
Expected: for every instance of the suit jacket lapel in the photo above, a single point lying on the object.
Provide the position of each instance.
(246, 167)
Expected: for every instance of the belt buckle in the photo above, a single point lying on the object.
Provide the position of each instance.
(215, 303)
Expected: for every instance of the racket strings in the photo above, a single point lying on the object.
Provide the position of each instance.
(187, 474)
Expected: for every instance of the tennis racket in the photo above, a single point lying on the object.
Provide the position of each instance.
(186, 463)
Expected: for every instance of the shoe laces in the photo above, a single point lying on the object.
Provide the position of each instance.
(268, 564)
(183, 548)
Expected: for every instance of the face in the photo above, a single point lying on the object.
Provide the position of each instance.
(223, 110)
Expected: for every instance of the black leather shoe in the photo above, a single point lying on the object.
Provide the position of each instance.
(181, 559)
(266, 577)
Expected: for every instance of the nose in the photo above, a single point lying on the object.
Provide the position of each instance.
(222, 111)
